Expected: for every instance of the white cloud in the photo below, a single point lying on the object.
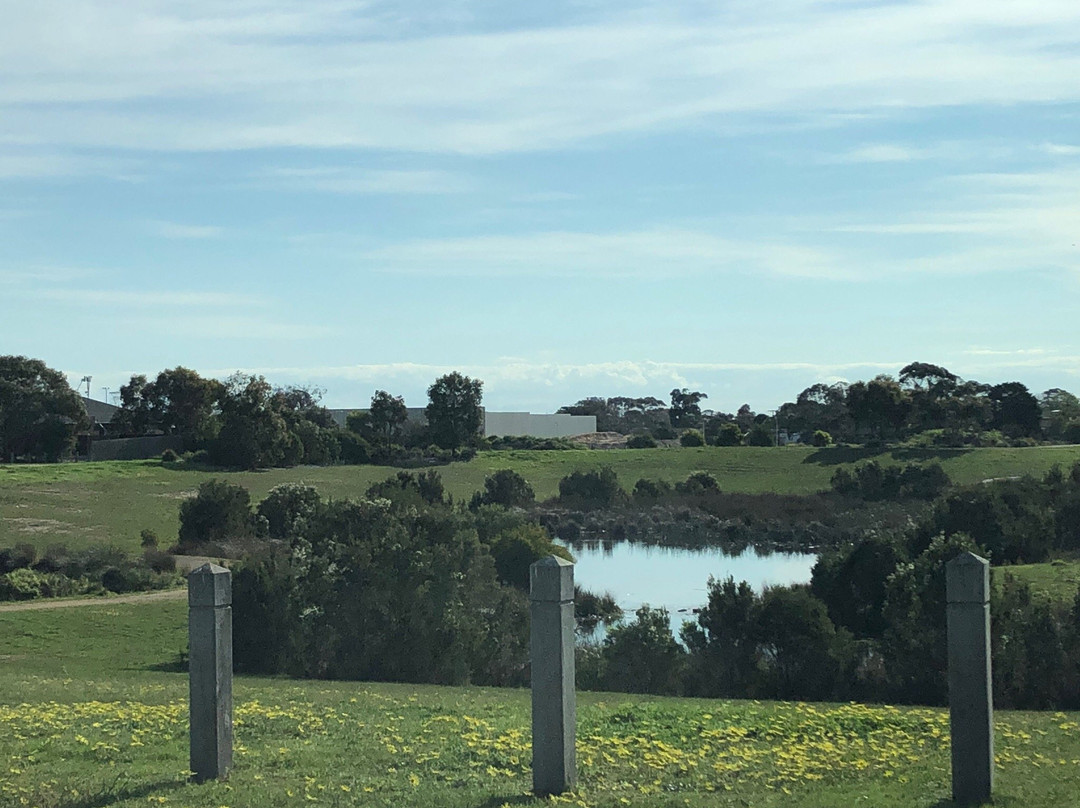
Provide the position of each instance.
(177, 230)
(163, 75)
(643, 253)
(351, 180)
(1061, 149)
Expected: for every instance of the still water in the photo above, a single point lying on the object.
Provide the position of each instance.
(677, 579)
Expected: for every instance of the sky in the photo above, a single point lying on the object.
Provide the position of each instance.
(563, 199)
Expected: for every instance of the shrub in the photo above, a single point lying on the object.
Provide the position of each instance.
(592, 610)
(352, 448)
(220, 511)
(419, 490)
(642, 656)
(1072, 432)
(518, 548)
(645, 441)
(760, 436)
(284, 505)
(21, 584)
(728, 435)
(169, 456)
(692, 437)
(158, 561)
(591, 489)
(664, 433)
(698, 483)
(645, 489)
(506, 488)
(147, 538)
(822, 438)
(371, 592)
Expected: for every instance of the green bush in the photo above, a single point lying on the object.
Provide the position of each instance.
(506, 488)
(219, 512)
(21, 584)
(822, 438)
(692, 437)
(375, 593)
(728, 435)
(760, 436)
(651, 490)
(591, 489)
(643, 656)
(644, 441)
(169, 456)
(698, 483)
(284, 505)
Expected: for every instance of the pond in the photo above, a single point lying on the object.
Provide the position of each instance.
(675, 578)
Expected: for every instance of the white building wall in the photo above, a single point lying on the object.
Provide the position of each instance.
(499, 424)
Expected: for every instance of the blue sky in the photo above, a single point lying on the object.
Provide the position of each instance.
(563, 199)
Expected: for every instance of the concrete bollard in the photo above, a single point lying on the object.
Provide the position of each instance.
(971, 706)
(210, 671)
(554, 699)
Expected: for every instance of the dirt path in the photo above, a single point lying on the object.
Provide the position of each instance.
(61, 603)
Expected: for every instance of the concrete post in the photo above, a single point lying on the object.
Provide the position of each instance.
(210, 667)
(554, 700)
(971, 706)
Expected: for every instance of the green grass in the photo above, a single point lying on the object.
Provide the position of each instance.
(110, 502)
(94, 715)
(1055, 580)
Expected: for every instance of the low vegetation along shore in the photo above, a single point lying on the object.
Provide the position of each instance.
(94, 706)
(112, 502)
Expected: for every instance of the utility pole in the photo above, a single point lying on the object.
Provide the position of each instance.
(86, 379)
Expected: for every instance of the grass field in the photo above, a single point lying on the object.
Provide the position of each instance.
(1056, 580)
(111, 502)
(94, 714)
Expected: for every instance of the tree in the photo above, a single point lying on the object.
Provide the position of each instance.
(253, 432)
(178, 402)
(183, 403)
(388, 413)
(39, 412)
(1015, 409)
(880, 405)
(453, 413)
(134, 416)
(1060, 408)
(685, 407)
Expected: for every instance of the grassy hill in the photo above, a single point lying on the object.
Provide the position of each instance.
(111, 502)
(94, 712)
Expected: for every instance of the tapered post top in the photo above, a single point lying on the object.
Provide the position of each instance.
(551, 580)
(967, 579)
(210, 585)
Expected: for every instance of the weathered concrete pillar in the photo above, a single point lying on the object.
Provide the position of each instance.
(971, 705)
(211, 671)
(554, 700)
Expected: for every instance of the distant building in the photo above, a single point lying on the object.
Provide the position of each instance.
(101, 415)
(503, 424)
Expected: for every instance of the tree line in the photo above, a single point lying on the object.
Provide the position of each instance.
(241, 422)
(923, 400)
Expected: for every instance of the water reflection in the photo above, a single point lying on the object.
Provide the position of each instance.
(675, 578)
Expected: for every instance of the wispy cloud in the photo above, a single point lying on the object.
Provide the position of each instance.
(325, 74)
(352, 180)
(178, 230)
(644, 253)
